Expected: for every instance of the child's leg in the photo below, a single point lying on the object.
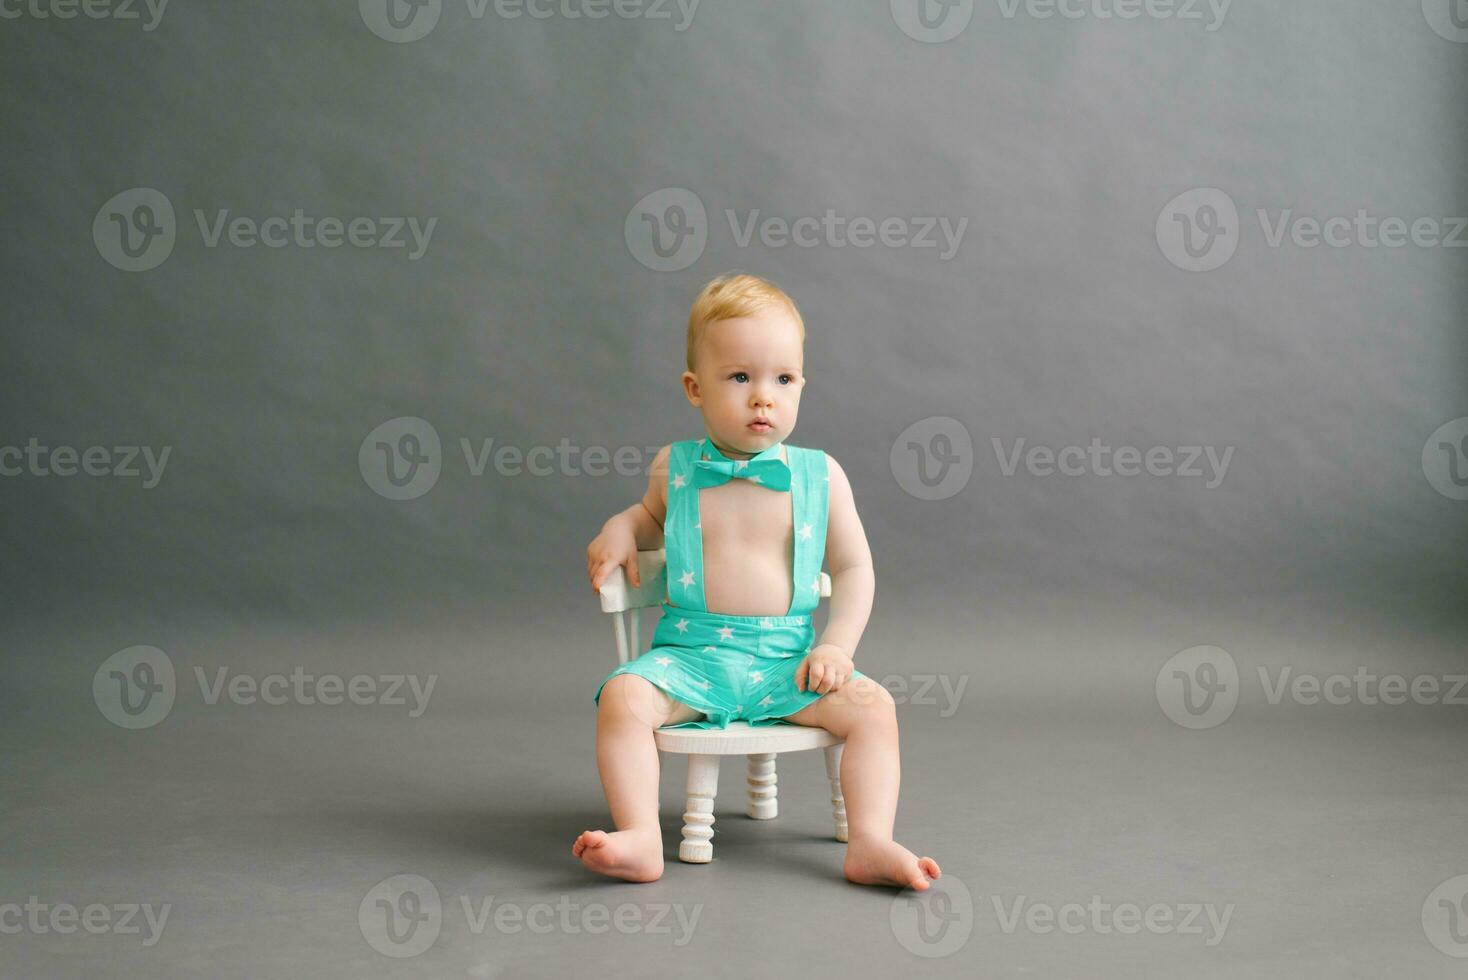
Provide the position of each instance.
(629, 709)
(863, 713)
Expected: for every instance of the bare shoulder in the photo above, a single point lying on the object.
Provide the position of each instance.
(840, 485)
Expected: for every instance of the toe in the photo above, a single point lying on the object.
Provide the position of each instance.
(930, 867)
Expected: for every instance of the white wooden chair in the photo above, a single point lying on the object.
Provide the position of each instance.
(704, 747)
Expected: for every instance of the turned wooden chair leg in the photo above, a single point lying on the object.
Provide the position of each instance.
(698, 818)
(838, 802)
(763, 803)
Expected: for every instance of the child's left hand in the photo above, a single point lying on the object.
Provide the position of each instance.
(825, 668)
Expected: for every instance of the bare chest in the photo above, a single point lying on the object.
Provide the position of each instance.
(741, 519)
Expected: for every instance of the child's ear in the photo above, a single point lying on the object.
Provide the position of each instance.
(691, 389)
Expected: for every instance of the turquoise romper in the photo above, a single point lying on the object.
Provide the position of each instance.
(734, 668)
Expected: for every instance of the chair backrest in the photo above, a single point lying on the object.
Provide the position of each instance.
(625, 603)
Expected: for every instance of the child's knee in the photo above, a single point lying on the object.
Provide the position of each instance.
(631, 696)
(867, 698)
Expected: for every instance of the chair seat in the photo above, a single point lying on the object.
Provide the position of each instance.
(741, 738)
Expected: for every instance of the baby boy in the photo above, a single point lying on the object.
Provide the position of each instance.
(746, 521)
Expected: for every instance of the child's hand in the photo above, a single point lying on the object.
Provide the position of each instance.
(826, 668)
(611, 548)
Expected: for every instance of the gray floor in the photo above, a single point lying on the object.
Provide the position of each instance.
(1054, 779)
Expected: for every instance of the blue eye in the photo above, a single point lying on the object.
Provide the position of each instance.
(739, 374)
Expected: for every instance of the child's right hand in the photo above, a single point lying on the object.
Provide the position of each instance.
(611, 548)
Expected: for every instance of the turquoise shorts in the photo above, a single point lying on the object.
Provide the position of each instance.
(731, 668)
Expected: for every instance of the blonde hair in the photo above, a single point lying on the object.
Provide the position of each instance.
(735, 295)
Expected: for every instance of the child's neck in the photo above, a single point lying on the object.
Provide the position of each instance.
(736, 454)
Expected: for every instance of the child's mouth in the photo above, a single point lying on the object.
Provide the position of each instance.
(760, 426)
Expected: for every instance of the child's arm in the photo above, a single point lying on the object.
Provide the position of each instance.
(853, 586)
(638, 528)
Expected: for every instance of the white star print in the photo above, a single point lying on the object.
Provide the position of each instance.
(739, 707)
(741, 464)
(725, 632)
(710, 650)
(815, 585)
(678, 483)
(757, 676)
(755, 479)
(805, 532)
(766, 701)
(699, 525)
(663, 661)
(681, 626)
(687, 578)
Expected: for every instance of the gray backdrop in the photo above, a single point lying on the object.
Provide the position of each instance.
(540, 314)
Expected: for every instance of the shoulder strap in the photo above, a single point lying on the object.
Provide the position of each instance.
(682, 539)
(811, 493)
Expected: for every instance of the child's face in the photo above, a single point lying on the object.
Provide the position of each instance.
(747, 368)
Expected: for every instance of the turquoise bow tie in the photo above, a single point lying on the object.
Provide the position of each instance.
(766, 469)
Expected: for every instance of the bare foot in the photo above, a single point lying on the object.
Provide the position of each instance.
(636, 855)
(872, 861)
